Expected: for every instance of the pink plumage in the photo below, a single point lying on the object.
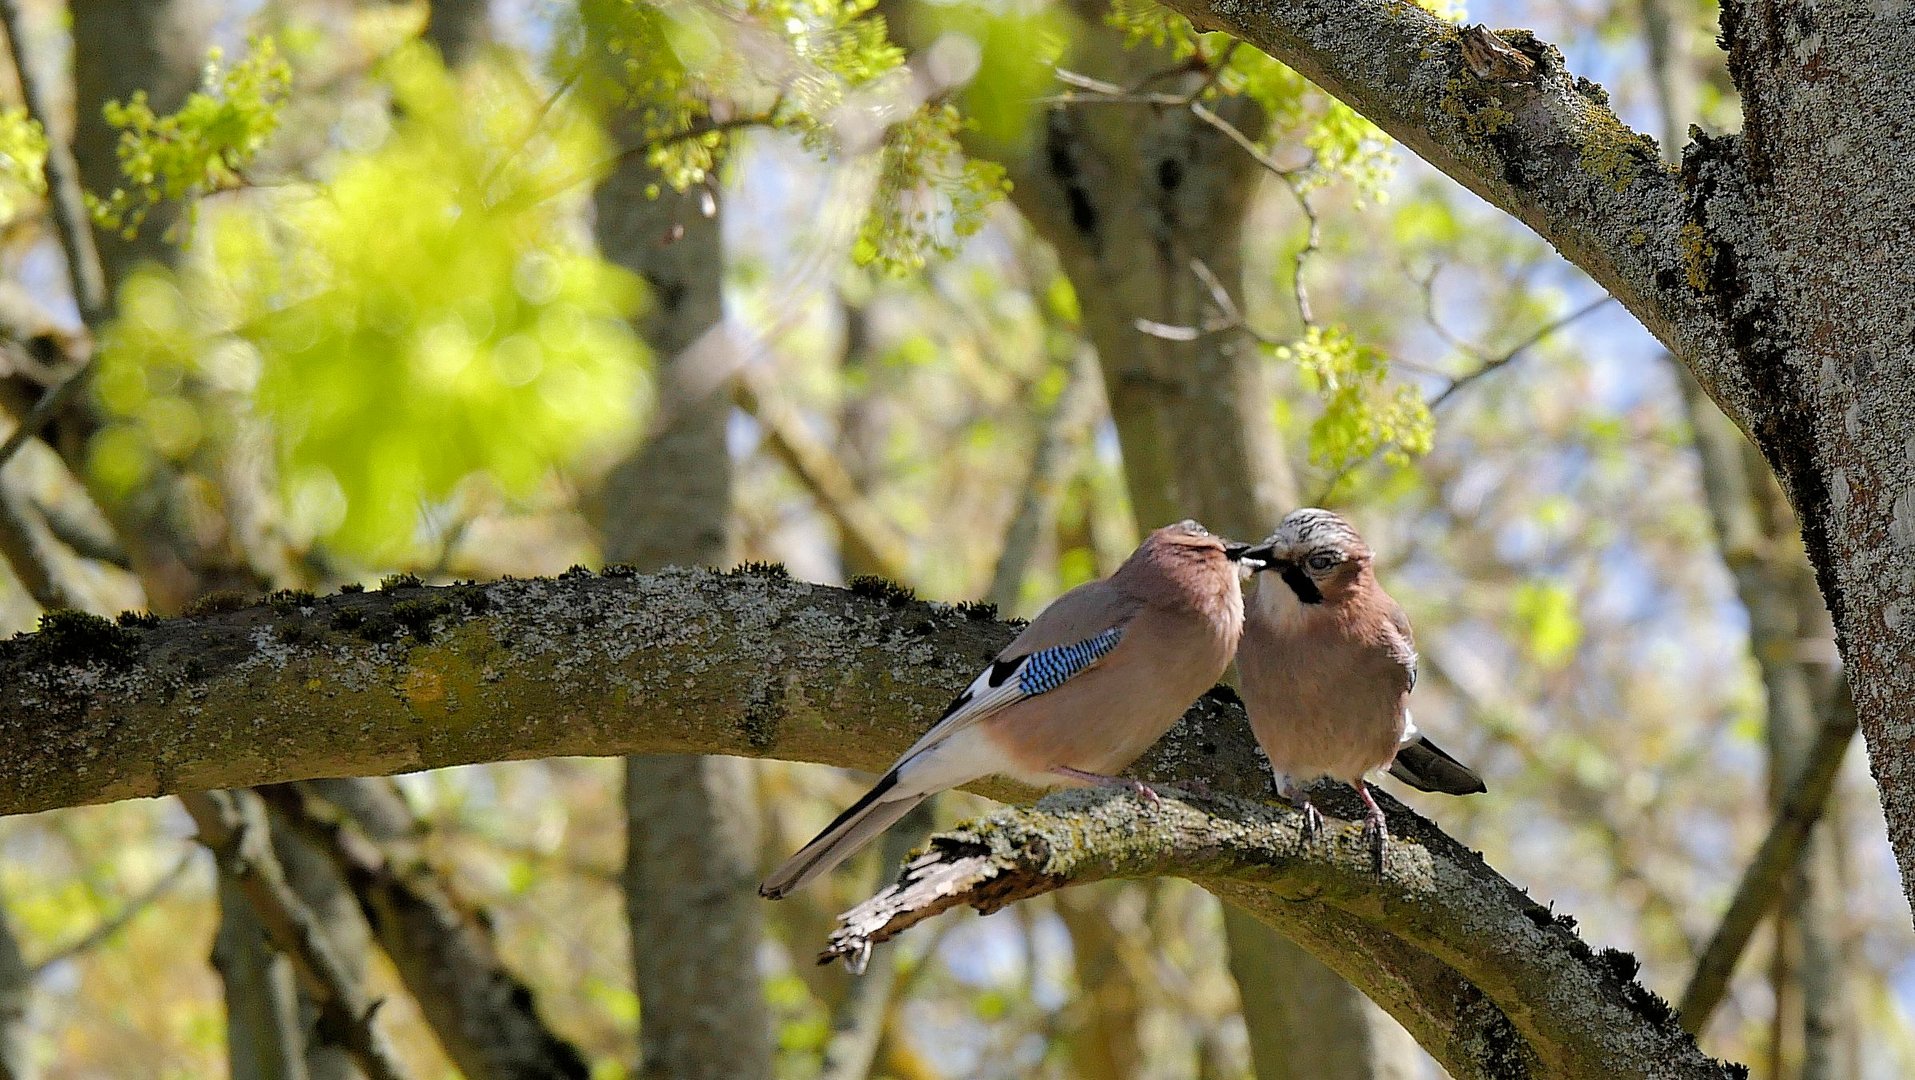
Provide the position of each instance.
(1328, 662)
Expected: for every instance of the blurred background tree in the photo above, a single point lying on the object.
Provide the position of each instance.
(964, 295)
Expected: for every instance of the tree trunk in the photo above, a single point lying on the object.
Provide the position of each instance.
(120, 47)
(691, 822)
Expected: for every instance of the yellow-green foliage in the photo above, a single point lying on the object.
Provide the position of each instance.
(427, 315)
(1361, 417)
(203, 147)
(929, 193)
(663, 65)
(1018, 47)
(23, 155)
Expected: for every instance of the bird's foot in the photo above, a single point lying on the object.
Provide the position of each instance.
(1312, 819)
(1136, 787)
(1293, 793)
(1375, 828)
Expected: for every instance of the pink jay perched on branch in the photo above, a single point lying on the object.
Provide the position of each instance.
(1091, 683)
(1327, 665)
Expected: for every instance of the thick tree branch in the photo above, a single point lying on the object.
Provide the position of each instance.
(1547, 149)
(412, 678)
(757, 664)
(1491, 982)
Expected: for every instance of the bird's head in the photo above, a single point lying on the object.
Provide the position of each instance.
(1187, 537)
(1316, 553)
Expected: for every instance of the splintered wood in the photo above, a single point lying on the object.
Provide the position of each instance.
(954, 872)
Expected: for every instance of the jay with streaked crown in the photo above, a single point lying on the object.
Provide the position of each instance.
(1327, 664)
(1091, 683)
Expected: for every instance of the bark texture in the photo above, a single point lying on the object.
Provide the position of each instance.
(1757, 264)
(756, 664)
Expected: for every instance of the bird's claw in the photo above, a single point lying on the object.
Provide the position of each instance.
(1312, 820)
(1146, 792)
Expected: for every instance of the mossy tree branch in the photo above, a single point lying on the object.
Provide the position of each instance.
(756, 664)
(1492, 983)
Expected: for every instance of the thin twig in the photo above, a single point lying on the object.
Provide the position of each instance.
(1497, 362)
(1214, 69)
(232, 824)
(1779, 854)
(1488, 366)
(707, 126)
(1249, 146)
(1312, 243)
(119, 920)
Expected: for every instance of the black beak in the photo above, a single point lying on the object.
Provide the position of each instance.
(1257, 557)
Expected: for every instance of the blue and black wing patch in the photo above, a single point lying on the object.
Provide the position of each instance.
(1048, 669)
(1012, 679)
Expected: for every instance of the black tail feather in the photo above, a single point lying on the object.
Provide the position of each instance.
(1426, 766)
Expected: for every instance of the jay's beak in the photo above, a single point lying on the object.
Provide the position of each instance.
(1253, 557)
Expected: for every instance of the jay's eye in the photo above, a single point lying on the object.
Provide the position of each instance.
(1321, 561)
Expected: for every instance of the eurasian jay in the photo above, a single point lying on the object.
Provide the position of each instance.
(1091, 683)
(1327, 666)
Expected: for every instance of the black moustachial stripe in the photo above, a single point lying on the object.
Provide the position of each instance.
(1300, 583)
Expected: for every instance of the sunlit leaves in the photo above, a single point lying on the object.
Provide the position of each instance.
(203, 147)
(427, 316)
(930, 194)
(1343, 145)
(1362, 417)
(1016, 52)
(677, 80)
(23, 155)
